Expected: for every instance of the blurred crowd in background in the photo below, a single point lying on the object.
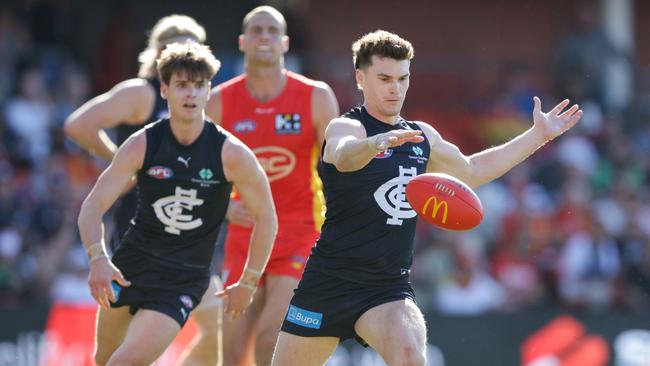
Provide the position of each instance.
(568, 228)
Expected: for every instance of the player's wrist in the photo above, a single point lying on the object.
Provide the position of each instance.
(373, 143)
(96, 251)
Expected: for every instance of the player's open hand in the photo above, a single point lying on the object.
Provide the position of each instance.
(383, 141)
(555, 122)
(238, 214)
(237, 298)
(102, 273)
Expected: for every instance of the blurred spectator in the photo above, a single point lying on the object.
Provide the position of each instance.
(29, 117)
(470, 290)
(588, 268)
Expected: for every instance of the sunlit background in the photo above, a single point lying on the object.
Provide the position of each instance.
(557, 274)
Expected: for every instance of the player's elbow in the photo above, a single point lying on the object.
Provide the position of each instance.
(73, 128)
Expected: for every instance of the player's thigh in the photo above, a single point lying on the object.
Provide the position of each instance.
(110, 330)
(396, 330)
(208, 314)
(278, 293)
(239, 333)
(149, 334)
(293, 350)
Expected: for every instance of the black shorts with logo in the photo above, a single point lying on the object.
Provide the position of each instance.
(326, 306)
(154, 287)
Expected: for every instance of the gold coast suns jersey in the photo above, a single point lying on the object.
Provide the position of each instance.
(281, 134)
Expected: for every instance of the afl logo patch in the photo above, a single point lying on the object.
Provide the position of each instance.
(276, 161)
(384, 154)
(160, 172)
(244, 126)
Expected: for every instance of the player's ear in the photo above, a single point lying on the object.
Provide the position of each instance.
(163, 90)
(285, 44)
(360, 77)
(240, 42)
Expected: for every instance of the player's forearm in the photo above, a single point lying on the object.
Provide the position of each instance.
(492, 163)
(261, 245)
(91, 229)
(94, 141)
(353, 154)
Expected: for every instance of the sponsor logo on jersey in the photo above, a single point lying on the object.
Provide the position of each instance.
(391, 197)
(276, 161)
(171, 211)
(206, 175)
(304, 318)
(187, 301)
(418, 155)
(244, 126)
(384, 154)
(287, 124)
(260, 110)
(160, 172)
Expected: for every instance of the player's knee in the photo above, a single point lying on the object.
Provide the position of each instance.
(266, 340)
(407, 355)
(124, 359)
(101, 358)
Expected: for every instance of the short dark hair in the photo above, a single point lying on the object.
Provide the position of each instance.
(382, 44)
(195, 59)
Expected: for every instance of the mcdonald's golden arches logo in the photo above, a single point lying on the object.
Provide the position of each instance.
(436, 207)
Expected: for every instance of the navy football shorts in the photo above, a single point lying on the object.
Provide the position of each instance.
(326, 306)
(168, 291)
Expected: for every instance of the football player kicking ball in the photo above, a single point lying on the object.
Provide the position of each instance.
(356, 281)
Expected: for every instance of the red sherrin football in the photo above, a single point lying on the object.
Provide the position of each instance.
(444, 201)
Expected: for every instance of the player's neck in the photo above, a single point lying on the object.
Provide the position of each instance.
(186, 131)
(265, 84)
(375, 112)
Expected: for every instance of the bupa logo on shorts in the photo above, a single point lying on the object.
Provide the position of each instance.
(304, 318)
(244, 126)
(287, 124)
(384, 154)
(187, 301)
(160, 172)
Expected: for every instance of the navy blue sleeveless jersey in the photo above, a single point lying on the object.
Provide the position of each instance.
(369, 226)
(125, 208)
(182, 199)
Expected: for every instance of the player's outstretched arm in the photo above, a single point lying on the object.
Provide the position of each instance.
(487, 165)
(243, 170)
(109, 186)
(348, 148)
(130, 101)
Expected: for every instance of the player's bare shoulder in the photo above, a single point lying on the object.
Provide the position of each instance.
(345, 126)
(135, 95)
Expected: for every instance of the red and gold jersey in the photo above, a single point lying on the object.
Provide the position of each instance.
(281, 134)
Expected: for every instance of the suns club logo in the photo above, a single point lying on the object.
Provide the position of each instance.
(276, 161)
(160, 172)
